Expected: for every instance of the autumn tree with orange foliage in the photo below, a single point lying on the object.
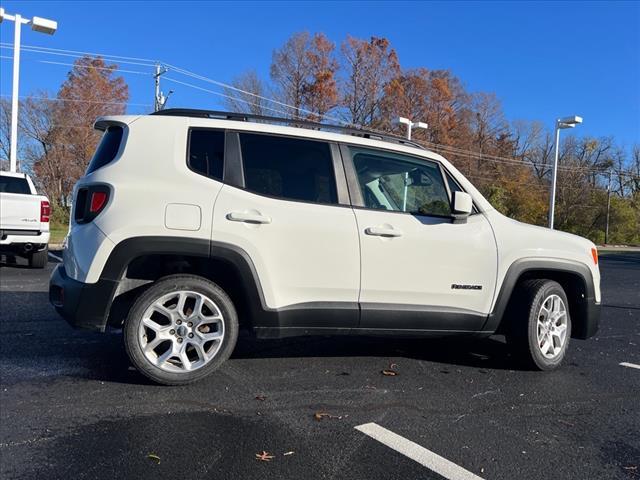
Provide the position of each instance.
(67, 140)
(303, 71)
(369, 66)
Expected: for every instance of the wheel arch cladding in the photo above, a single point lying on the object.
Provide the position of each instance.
(574, 277)
(149, 258)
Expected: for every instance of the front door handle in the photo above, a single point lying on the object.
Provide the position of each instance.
(383, 232)
(247, 217)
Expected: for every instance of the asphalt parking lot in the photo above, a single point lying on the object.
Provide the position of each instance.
(71, 407)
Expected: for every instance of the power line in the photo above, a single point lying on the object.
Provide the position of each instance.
(224, 95)
(48, 99)
(60, 53)
(81, 53)
(115, 70)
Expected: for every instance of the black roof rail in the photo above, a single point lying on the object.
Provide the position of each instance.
(247, 117)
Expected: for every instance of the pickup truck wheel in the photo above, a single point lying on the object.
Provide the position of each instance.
(180, 329)
(39, 259)
(540, 327)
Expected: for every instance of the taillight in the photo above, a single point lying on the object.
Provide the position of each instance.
(98, 201)
(89, 202)
(45, 211)
(594, 255)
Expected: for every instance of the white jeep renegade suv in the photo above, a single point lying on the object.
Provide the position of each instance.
(190, 224)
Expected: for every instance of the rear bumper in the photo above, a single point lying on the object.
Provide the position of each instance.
(20, 243)
(82, 305)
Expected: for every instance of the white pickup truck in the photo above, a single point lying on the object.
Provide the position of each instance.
(24, 219)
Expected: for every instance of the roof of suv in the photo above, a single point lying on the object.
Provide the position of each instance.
(291, 122)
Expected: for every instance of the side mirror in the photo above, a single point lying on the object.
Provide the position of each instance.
(462, 206)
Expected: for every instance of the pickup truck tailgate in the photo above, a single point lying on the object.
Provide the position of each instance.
(20, 212)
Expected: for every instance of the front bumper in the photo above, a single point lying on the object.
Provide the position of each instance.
(591, 320)
(82, 305)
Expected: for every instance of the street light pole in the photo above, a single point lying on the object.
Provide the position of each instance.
(38, 24)
(606, 231)
(13, 162)
(410, 125)
(554, 178)
(561, 123)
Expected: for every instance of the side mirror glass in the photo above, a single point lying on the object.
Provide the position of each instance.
(462, 205)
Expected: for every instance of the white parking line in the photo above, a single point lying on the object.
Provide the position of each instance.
(630, 365)
(415, 452)
(55, 256)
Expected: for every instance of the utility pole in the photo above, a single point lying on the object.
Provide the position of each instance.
(159, 100)
(606, 230)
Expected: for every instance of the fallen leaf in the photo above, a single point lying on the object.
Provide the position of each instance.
(289, 453)
(264, 456)
(154, 457)
(389, 373)
(262, 398)
(322, 415)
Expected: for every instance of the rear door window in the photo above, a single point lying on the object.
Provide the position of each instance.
(14, 185)
(206, 152)
(289, 168)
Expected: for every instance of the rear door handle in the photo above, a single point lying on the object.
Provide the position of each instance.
(383, 232)
(247, 217)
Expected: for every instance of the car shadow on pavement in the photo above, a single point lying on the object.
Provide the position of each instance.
(36, 341)
(491, 353)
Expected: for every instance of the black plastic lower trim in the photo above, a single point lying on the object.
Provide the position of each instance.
(419, 317)
(82, 305)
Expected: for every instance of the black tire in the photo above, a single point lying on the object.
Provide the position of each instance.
(39, 259)
(165, 286)
(522, 334)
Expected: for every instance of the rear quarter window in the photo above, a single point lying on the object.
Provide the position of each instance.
(206, 152)
(107, 148)
(14, 185)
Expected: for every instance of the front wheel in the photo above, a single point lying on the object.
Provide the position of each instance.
(540, 326)
(180, 329)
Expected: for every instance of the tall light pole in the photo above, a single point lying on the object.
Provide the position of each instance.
(606, 231)
(561, 123)
(38, 24)
(410, 126)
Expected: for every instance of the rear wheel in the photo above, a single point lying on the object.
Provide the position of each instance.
(540, 324)
(39, 259)
(180, 329)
